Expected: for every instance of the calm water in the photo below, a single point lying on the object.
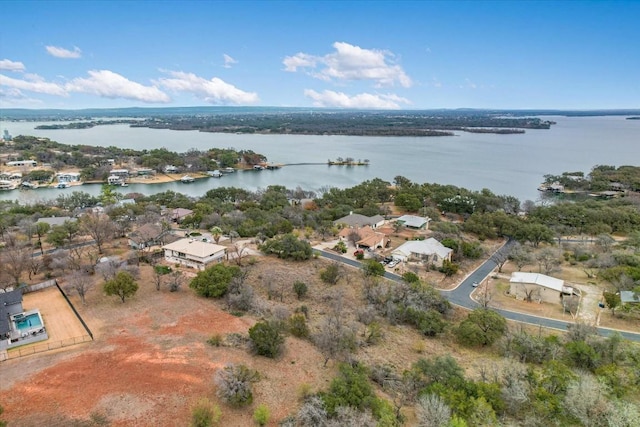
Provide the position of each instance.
(505, 164)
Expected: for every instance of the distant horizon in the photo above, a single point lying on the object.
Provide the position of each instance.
(402, 55)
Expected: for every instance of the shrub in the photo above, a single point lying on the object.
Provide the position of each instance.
(205, 414)
(298, 326)
(261, 415)
(235, 384)
(214, 281)
(332, 274)
(266, 338)
(215, 340)
(300, 288)
(449, 268)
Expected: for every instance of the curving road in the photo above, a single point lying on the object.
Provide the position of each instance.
(461, 296)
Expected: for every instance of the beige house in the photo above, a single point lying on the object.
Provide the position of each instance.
(538, 287)
(368, 238)
(194, 253)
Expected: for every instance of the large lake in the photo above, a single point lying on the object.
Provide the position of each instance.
(505, 164)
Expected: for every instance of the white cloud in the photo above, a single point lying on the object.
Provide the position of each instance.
(60, 52)
(214, 91)
(14, 98)
(300, 60)
(329, 98)
(8, 65)
(112, 85)
(349, 63)
(228, 61)
(34, 84)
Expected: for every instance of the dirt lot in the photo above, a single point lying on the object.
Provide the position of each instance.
(150, 361)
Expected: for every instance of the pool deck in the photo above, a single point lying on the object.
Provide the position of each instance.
(59, 320)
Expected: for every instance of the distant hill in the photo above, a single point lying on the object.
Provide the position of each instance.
(54, 114)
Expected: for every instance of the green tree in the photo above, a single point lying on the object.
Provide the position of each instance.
(266, 338)
(261, 415)
(481, 327)
(332, 274)
(214, 281)
(123, 285)
(205, 414)
(41, 229)
(371, 267)
(612, 300)
(298, 326)
(288, 247)
(300, 288)
(449, 268)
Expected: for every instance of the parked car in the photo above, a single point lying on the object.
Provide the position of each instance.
(475, 284)
(393, 263)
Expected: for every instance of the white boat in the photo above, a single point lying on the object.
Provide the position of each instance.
(124, 184)
(62, 185)
(187, 179)
(215, 174)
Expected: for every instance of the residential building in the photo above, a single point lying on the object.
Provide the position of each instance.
(429, 251)
(538, 287)
(368, 238)
(16, 163)
(146, 236)
(194, 253)
(178, 214)
(413, 221)
(357, 221)
(10, 304)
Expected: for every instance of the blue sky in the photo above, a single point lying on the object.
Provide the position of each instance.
(389, 55)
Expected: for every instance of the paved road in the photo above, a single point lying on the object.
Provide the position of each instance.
(461, 296)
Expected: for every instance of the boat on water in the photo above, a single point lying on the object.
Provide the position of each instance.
(124, 184)
(187, 179)
(26, 185)
(62, 185)
(215, 174)
(228, 170)
(7, 185)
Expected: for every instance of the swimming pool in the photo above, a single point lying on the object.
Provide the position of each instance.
(27, 322)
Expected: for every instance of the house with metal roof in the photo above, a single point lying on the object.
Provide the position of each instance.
(413, 221)
(538, 287)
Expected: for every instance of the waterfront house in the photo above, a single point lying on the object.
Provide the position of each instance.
(21, 163)
(68, 177)
(429, 251)
(114, 180)
(194, 253)
(170, 169)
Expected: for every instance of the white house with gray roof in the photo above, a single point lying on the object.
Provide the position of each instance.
(194, 253)
(538, 287)
(429, 251)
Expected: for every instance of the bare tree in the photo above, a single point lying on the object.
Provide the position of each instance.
(336, 339)
(15, 259)
(530, 292)
(353, 237)
(520, 255)
(99, 227)
(236, 252)
(547, 260)
(586, 400)
(175, 280)
(432, 411)
(80, 282)
(109, 268)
